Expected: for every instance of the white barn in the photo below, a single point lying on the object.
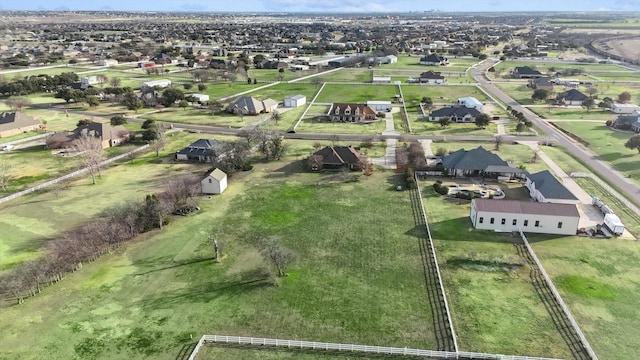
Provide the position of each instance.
(470, 103)
(544, 187)
(619, 108)
(155, 83)
(215, 182)
(295, 101)
(528, 216)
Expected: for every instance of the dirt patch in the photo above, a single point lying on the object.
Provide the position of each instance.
(626, 48)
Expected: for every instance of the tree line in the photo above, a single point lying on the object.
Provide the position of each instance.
(37, 84)
(104, 234)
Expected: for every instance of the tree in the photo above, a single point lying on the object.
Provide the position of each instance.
(588, 104)
(18, 103)
(83, 122)
(521, 127)
(280, 74)
(158, 141)
(427, 102)
(633, 143)
(444, 121)
(148, 124)
(132, 102)
(258, 59)
(118, 120)
(187, 86)
(218, 246)
(183, 104)
(605, 104)
(592, 90)
(202, 87)
(275, 116)
(624, 97)
(498, 141)
(482, 120)
(115, 82)
(215, 106)
(91, 154)
(170, 96)
(279, 257)
(92, 100)
(66, 94)
(540, 94)
(5, 175)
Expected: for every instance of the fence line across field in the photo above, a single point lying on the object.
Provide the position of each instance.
(323, 346)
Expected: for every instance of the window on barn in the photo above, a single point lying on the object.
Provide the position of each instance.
(491, 221)
(514, 222)
(560, 225)
(526, 223)
(504, 221)
(537, 224)
(481, 220)
(210, 181)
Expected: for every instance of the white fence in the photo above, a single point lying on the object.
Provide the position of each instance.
(322, 346)
(556, 294)
(68, 176)
(404, 109)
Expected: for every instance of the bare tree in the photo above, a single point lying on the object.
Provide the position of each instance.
(275, 116)
(498, 141)
(181, 192)
(218, 245)
(5, 175)
(91, 154)
(159, 141)
(115, 82)
(279, 257)
(18, 103)
(536, 155)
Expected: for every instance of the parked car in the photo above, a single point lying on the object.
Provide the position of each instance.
(7, 147)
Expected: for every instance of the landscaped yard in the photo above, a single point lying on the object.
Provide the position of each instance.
(333, 93)
(425, 127)
(358, 276)
(441, 93)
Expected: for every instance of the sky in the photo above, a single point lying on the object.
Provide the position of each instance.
(323, 5)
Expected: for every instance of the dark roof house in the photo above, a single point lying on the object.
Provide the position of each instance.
(248, 105)
(456, 113)
(109, 135)
(335, 158)
(16, 122)
(544, 187)
(471, 163)
(433, 59)
(526, 72)
(202, 150)
(571, 97)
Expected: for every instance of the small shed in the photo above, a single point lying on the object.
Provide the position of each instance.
(379, 105)
(214, 182)
(381, 79)
(295, 101)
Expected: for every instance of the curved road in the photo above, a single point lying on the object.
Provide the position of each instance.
(601, 168)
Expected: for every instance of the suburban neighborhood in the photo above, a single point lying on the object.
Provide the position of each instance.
(199, 185)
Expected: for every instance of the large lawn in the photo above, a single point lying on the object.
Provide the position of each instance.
(495, 308)
(358, 276)
(440, 93)
(598, 279)
(608, 145)
(572, 113)
(335, 93)
(425, 127)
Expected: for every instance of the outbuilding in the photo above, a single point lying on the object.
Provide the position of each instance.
(379, 105)
(528, 216)
(295, 101)
(161, 84)
(214, 182)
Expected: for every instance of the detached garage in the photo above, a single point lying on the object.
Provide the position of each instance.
(214, 182)
(528, 216)
(295, 101)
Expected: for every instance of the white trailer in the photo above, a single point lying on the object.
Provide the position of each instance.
(612, 223)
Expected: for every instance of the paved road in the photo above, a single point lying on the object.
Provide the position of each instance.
(602, 169)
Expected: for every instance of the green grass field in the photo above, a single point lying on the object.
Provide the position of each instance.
(150, 298)
(598, 280)
(440, 93)
(356, 93)
(608, 144)
(493, 304)
(425, 127)
(572, 113)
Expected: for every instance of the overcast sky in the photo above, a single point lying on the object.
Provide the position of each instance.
(323, 5)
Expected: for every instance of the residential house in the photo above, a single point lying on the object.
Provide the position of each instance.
(470, 103)
(542, 83)
(17, 122)
(635, 127)
(525, 72)
(432, 77)
(433, 60)
(109, 135)
(457, 114)
(355, 113)
(528, 216)
(202, 150)
(295, 101)
(626, 122)
(471, 163)
(335, 158)
(620, 108)
(248, 105)
(544, 187)
(572, 97)
(214, 182)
